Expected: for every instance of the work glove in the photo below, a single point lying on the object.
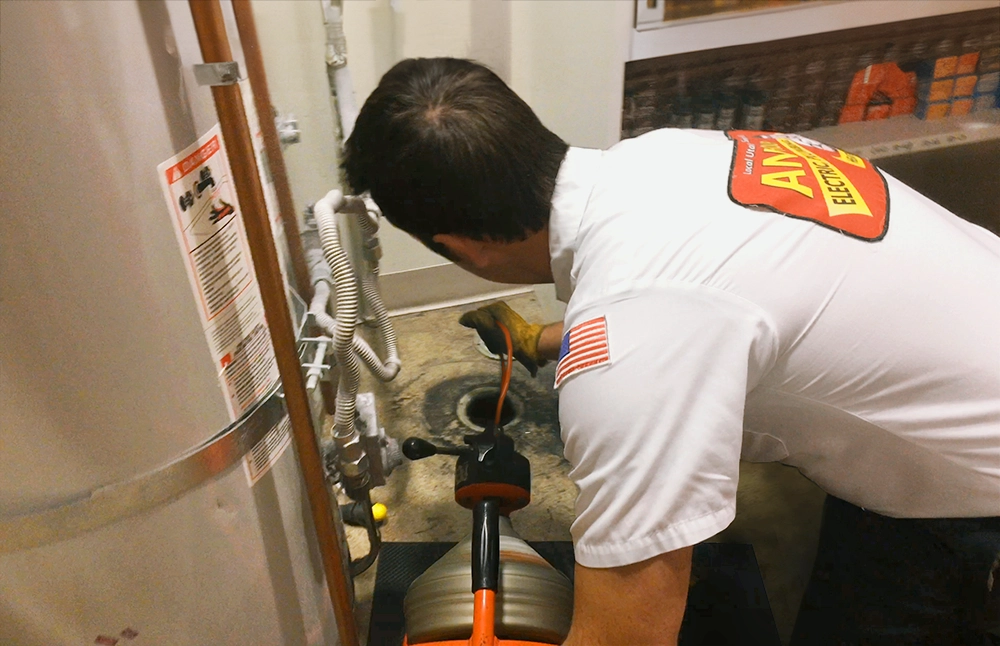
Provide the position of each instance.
(523, 335)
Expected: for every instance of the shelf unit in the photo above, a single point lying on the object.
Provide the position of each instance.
(696, 44)
(907, 135)
(652, 38)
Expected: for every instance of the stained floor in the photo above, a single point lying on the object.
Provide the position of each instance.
(778, 510)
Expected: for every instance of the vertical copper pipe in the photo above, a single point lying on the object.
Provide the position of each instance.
(286, 205)
(262, 101)
(214, 42)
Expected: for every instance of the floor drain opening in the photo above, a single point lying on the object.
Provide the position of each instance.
(479, 407)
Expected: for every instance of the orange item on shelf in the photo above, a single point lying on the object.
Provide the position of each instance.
(866, 82)
(899, 85)
(877, 112)
(965, 85)
(967, 64)
(878, 108)
(960, 107)
(939, 91)
(937, 111)
(852, 113)
(896, 88)
(903, 106)
(945, 67)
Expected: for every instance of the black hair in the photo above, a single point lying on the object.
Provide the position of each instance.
(444, 146)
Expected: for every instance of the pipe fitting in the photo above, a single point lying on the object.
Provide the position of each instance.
(336, 41)
(355, 469)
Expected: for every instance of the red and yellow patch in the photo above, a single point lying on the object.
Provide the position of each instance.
(805, 179)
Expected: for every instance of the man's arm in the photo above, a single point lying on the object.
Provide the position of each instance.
(633, 605)
(533, 344)
(550, 341)
(654, 432)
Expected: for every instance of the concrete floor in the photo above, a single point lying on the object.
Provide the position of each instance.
(778, 511)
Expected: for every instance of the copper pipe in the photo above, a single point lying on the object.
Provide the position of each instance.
(214, 42)
(247, 29)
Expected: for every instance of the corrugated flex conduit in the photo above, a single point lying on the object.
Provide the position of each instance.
(348, 348)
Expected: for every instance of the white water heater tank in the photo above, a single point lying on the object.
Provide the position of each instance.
(105, 372)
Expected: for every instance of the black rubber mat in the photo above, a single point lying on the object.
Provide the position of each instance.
(727, 604)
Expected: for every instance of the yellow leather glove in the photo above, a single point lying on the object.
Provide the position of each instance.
(523, 335)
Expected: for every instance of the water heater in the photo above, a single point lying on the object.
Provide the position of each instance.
(117, 526)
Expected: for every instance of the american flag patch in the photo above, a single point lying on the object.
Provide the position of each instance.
(584, 347)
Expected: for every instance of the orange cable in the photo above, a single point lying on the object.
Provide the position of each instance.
(507, 369)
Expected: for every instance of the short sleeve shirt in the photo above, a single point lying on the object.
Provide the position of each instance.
(700, 330)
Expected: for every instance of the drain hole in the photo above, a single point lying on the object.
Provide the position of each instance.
(479, 407)
(482, 409)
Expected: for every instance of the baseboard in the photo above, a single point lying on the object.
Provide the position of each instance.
(430, 288)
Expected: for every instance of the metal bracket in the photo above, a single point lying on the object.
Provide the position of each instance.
(114, 502)
(117, 501)
(288, 129)
(227, 73)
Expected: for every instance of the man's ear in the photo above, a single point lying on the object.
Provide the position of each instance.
(466, 250)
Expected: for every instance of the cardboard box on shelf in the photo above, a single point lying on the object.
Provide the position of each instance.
(937, 68)
(932, 111)
(965, 86)
(967, 64)
(934, 91)
(960, 107)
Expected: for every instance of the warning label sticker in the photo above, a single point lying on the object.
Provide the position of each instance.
(201, 195)
(266, 453)
(805, 179)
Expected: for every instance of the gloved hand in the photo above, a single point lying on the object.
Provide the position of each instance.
(523, 335)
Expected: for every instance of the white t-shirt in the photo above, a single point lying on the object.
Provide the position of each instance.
(706, 330)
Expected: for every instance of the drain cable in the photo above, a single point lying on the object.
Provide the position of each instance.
(508, 367)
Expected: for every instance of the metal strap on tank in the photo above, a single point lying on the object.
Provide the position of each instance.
(115, 502)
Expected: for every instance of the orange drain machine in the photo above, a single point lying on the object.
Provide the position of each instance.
(492, 589)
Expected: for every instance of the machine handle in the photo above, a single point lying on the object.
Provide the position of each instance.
(416, 448)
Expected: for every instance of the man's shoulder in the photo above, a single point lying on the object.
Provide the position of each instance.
(662, 136)
(670, 165)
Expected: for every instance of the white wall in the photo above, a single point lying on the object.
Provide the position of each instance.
(564, 57)
(293, 42)
(568, 63)
(380, 33)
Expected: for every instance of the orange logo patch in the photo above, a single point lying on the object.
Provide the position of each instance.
(805, 179)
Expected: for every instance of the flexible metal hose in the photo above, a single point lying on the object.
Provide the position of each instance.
(369, 288)
(383, 371)
(346, 292)
(366, 214)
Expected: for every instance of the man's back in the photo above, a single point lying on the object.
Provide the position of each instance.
(874, 366)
